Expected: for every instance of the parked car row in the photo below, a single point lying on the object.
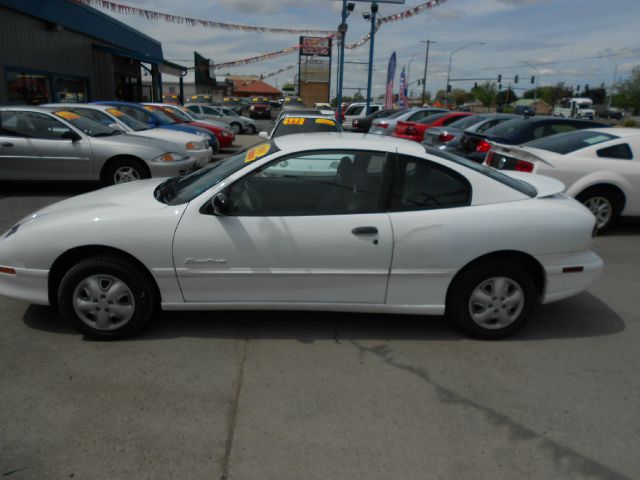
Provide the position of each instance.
(109, 141)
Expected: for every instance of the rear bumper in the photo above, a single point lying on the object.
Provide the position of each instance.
(27, 284)
(562, 285)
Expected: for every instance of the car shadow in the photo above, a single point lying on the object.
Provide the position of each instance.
(578, 317)
(623, 227)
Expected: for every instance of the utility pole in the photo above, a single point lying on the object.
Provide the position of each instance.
(424, 77)
(372, 36)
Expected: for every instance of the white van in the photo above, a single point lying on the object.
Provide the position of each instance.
(576, 107)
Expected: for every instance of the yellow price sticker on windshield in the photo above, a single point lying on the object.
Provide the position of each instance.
(67, 115)
(257, 152)
(115, 113)
(326, 121)
(293, 121)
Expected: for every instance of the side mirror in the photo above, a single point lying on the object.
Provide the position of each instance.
(264, 135)
(71, 135)
(220, 204)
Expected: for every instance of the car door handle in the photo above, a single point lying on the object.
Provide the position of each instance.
(6, 144)
(364, 230)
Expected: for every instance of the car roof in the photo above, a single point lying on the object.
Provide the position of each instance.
(95, 106)
(617, 131)
(360, 141)
(25, 108)
(303, 113)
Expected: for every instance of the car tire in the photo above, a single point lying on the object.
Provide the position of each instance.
(605, 204)
(251, 130)
(106, 298)
(491, 299)
(236, 128)
(124, 170)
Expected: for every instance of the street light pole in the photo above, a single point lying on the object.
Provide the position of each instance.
(424, 77)
(374, 11)
(347, 8)
(535, 92)
(449, 69)
(613, 82)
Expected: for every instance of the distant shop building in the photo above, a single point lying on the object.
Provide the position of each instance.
(63, 51)
(254, 88)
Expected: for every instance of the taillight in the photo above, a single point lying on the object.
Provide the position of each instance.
(489, 158)
(523, 166)
(410, 131)
(445, 137)
(483, 146)
(382, 125)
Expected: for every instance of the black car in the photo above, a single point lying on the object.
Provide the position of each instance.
(611, 114)
(524, 110)
(260, 108)
(475, 146)
(362, 125)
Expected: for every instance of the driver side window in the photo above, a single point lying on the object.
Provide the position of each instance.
(311, 183)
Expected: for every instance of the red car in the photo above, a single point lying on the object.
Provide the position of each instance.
(225, 136)
(415, 130)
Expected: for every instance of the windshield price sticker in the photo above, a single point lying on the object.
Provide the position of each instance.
(325, 121)
(147, 107)
(293, 121)
(257, 152)
(114, 112)
(68, 115)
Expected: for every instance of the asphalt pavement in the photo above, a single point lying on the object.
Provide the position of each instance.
(304, 395)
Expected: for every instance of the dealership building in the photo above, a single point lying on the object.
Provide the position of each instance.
(63, 51)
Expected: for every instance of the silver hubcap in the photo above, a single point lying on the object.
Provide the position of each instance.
(103, 302)
(235, 128)
(126, 174)
(602, 209)
(496, 303)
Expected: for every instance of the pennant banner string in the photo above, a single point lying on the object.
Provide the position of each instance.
(124, 9)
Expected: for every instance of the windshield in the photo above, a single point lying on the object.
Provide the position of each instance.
(507, 128)
(163, 117)
(583, 106)
(466, 122)
(176, 112)
(290, 125)
(433, 117)
(86, 125)
(570, 142)
(179, 190)
(130, 122)
(229, 113)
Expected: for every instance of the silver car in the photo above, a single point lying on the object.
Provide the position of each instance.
(237, 123)
(387, 125)
(448, 138)
(57, 144)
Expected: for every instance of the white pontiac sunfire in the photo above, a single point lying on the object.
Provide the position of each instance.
(324, 221)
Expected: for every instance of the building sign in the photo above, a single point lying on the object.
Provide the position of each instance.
(314, 69)
(203, 68)
(315, 46)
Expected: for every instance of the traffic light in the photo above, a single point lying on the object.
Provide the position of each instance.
(420, 81)
(578, 88)
(533, 79)
(515, 79)
(475, 84)
(448, 88)
(499, 86)
(586, 87)
(500, 78)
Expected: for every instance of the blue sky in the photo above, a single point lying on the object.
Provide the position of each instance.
(564, 38)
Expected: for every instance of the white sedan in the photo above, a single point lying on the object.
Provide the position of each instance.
(336, 222)
(600, 167)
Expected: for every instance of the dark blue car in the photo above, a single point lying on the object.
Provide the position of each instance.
(157, 119)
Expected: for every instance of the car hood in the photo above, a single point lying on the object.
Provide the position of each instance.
(125, 197)
(137, 144)
(545, 186)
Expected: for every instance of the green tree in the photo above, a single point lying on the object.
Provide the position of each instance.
(460, 96)
(486, 93)
(597, 95)
(628, 92)
(554, 93)
(506, 97)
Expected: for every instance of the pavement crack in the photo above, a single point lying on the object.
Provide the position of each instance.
(231, 427)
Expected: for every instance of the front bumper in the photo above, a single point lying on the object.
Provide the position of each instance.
(202, 157)
(26, 284)
(564, 285)
(172, 169)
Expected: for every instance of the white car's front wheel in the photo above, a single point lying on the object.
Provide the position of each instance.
(492, 299)
(106, 298)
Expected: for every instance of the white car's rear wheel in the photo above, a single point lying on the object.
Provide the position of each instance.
(106, 298)
(605, 204)
(492, 299)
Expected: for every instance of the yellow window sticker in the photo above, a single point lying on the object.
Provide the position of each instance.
(147, 107)
(67, 115)
(115, 112)
(257, 152)
(325, 121)
(293, 121)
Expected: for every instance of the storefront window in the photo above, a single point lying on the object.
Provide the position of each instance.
(71, 90)
(28, 88)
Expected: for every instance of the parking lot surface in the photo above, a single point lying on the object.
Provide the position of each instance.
(306, 395)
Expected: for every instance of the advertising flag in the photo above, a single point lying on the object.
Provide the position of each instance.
(402, 97)
(391, 73)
